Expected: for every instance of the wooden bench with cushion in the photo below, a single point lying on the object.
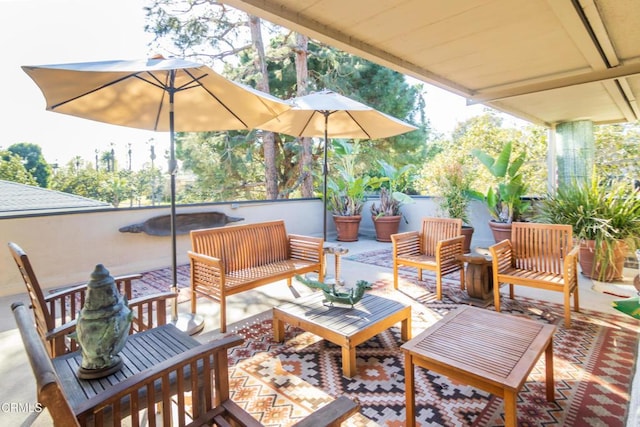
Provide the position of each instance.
(436, 248)
(168, 383)
(233, 259)
(540, 256)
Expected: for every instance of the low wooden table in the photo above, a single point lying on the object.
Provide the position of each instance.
(341, 324)
(143, 350)
(491, 351)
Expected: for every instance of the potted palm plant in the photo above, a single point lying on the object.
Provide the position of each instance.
(504, 197)
(346, 193)
(454, 188)
(605, 219)
(387, 214)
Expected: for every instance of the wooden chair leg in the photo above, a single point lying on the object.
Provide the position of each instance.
(395, 274)
(438, 285)
(496, 294)
(223, 314)
(567, 309)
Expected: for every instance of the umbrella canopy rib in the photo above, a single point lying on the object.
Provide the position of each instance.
(82, 95)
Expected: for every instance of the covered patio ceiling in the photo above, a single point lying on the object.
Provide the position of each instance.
(545, 61)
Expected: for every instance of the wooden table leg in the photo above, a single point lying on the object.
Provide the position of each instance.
(278, 330)
(548, 357)
(510, 409)
(410, 390)
(405, 329)
(349, 361)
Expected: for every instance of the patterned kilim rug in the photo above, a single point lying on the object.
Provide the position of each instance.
(594, 363)
(160, 281)
(384, 258)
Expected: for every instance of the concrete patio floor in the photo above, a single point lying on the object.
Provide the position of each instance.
(20, 386)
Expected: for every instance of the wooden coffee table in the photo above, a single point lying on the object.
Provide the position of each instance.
(492, 351)
(341, 324)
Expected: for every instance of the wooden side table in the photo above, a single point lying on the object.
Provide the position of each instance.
(478, 278)
(492, 351)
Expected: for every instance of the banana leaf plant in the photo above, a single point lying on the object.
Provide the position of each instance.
(504, 199)
(391, 198)
(346, 192)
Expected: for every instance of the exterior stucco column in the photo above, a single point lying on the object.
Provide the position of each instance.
(575, 151)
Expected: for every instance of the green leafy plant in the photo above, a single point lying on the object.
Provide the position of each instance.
(454, 186)
(504, 199)
(346, 193)
(391, 198)
(598, 211)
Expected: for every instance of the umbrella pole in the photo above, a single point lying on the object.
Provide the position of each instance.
(190, 323)
(324, 176)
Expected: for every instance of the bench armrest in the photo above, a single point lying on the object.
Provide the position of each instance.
(204, 270)
(407, 243)
(332, 414)
(123, 283)
(501, 256)
(206, 259)
(151, 310)
(448, 251)
(571, 267)
(306, 247)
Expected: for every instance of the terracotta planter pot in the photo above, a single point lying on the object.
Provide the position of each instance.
(501, 230)
(467, 232)
(347, 227)
(592, 269)
(386, 226)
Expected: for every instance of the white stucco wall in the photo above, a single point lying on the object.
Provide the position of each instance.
(64, 249)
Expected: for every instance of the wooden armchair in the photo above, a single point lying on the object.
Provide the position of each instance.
(168, 383)
(55, 313)
(541, 256)
(434, 248)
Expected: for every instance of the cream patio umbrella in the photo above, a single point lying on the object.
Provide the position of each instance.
(331, 115)
(167, 95)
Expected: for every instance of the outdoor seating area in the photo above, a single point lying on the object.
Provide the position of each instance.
(307, 361)
(287, 327)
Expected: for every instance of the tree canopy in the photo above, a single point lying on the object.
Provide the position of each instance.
(12, 169)
(34, 161)
(221, 37)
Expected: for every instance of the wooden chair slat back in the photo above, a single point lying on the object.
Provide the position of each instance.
(437, 229)
(243, 246)
(541, 247)
(44, 320)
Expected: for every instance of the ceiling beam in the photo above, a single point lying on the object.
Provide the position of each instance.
(526, 89)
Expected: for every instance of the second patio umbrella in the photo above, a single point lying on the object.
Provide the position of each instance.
(157, 94)
(331, 115)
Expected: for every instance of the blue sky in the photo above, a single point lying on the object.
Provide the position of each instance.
(38, 32)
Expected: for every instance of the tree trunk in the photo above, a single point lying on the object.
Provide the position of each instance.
(302, 82)
(268, 140)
